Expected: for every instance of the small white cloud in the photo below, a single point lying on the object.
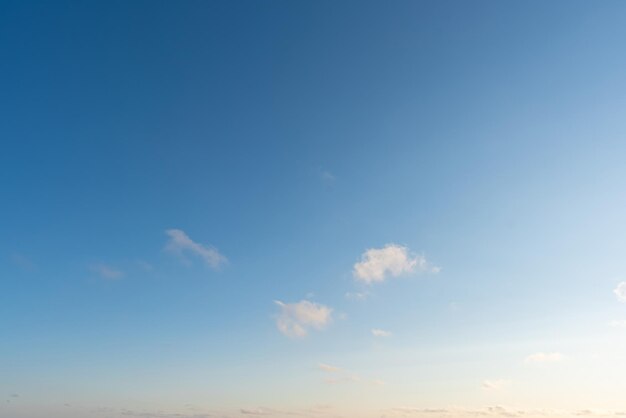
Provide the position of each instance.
(378, 264)
(328, 368)
(380, 333)
(357, 295)
(544, 358)
(295, 319)
(106, 271)
(496, 384)
(180, 243)
(620, 292)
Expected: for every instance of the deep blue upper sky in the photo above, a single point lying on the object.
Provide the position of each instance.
(486, 137)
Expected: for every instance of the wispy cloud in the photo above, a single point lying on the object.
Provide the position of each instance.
(490, 411)
(357, 295)
(159, 414)
(327, 176)
(381, 333)
(145, 266)
(497, 411)
(620, 292)
(393, 260)
(106, 271)
(543, 358)
(295, 319)
(257, 411)
(497, 384)
(338, 375)
(318, 411)
(180, 244)
(328, 368)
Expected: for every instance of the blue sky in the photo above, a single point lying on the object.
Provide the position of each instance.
(328, 209)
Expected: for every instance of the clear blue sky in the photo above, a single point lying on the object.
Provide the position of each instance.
(325, 208)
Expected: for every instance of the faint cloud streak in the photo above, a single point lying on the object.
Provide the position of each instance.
(544, 358)
(106, 272)
(180, 244)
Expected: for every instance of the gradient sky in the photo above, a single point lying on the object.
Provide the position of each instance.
(326, 209)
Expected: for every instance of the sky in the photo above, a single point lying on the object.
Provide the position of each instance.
(322, 209)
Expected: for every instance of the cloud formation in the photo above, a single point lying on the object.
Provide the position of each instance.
(320, 411)
(496, 384)
(544, 358)
(338, 375)
(106, 271)
(357, 295)
(328, 368)
(490, 411)
(295, 319)
(257, 411)
(180, 244)
(497, 411)
(380, 333)
(379, 264)
(153, 414)
(620, 292)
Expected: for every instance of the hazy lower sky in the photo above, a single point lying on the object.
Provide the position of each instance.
(322, 209)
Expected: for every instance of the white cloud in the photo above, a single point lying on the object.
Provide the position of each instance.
(378, 264)
(106, 272)
(328, 368)
(496, 384)
(295, 319)
(620, 292)
(380, 333)
(357, 295)
(544, 358)
(180, 243)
